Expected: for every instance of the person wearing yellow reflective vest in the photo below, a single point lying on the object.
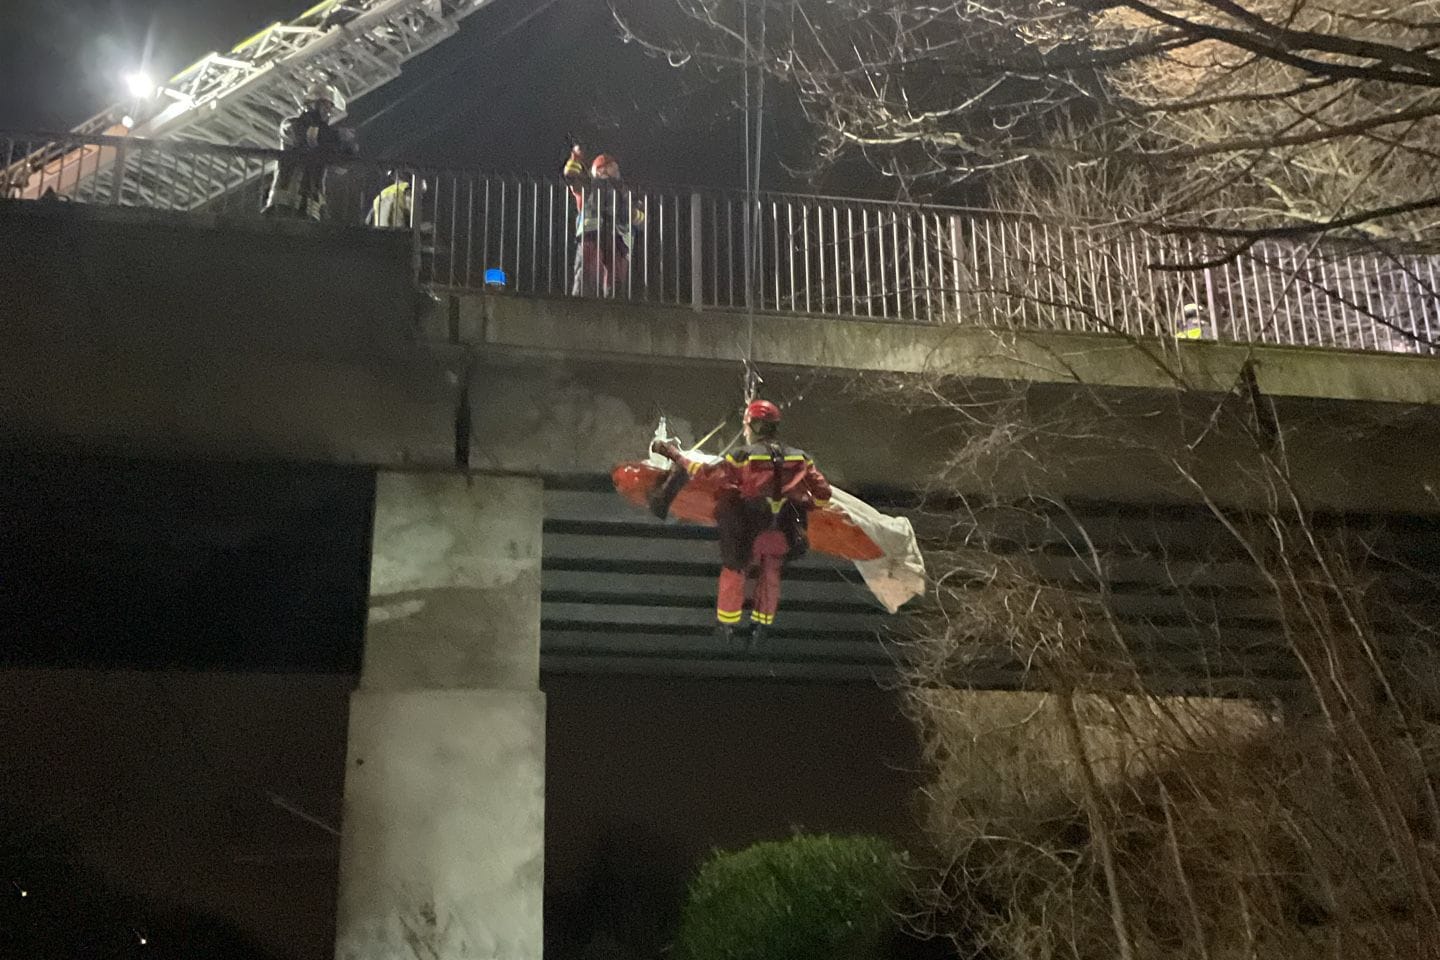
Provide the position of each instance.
(392, 207)
(605, 225)
(1192, 323)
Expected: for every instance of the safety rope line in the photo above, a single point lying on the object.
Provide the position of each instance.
(754, 143)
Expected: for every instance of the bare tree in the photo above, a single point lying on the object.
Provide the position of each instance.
(1227, 746)
(1228, 116)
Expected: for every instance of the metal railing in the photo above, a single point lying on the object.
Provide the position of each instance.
(173, 175)
(813, 255)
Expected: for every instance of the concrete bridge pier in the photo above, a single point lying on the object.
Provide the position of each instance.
(442, 847)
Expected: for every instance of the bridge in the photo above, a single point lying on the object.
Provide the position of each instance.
(811, 255)
(165, 347)
(152, 315)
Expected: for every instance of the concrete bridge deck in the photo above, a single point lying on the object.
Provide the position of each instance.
(183, 335)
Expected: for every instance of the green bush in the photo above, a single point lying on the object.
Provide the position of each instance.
(808, 898)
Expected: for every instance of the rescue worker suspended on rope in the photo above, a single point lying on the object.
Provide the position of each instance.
(605, 226)
(766, 492)
(298, 190)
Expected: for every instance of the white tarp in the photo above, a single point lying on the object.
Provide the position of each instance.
(900, 574)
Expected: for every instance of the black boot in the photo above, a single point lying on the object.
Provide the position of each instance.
(759, 633)
(731, 636)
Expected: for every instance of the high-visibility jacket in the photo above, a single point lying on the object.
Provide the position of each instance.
(602, 205)
(763, 487)
(391, 208)
(771, 472)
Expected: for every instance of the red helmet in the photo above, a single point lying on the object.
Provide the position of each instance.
(762, 410)
(602, 161)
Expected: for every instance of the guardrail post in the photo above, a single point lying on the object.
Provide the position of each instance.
(1211, 315)
(697, 284)
(118, 178)
(417, 218)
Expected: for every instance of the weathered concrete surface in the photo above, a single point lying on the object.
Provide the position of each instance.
(157, 334)
(454, 583)
(442, 849)
(563, 413)
(597, 329)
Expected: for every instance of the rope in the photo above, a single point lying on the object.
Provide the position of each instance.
(753, 236)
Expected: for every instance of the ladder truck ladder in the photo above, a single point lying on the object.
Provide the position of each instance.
(240, 98)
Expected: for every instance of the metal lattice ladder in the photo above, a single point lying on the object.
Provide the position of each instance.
(241, 97)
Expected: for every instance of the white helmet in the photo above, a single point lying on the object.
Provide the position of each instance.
(328, 92)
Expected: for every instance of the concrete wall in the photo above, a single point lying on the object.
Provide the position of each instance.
(442, 848)
(454, 583)
(575, 386)
(165, 335)
(639, 331)
(568, 413)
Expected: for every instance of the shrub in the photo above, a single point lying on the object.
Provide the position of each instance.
(807, 898)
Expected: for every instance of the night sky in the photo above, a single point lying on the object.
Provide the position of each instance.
(61, 63)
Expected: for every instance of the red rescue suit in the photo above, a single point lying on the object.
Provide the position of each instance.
(605, 224)
(766, 491)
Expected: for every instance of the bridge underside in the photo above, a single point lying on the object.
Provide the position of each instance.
(268, 563)
(1193, 610)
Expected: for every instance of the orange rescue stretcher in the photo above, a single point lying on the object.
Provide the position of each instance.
(829, 529)
(882, 547)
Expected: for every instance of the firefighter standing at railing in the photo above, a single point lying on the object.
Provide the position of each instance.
(298, 190)
(604, 226)
(766, 492)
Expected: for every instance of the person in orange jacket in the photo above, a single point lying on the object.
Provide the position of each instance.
(605, 225)
(766, 492)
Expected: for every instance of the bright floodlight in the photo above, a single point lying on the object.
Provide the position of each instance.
(139, 84)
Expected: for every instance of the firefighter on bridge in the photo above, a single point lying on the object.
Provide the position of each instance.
(604, 226)
(766, 492)
(298, 190)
